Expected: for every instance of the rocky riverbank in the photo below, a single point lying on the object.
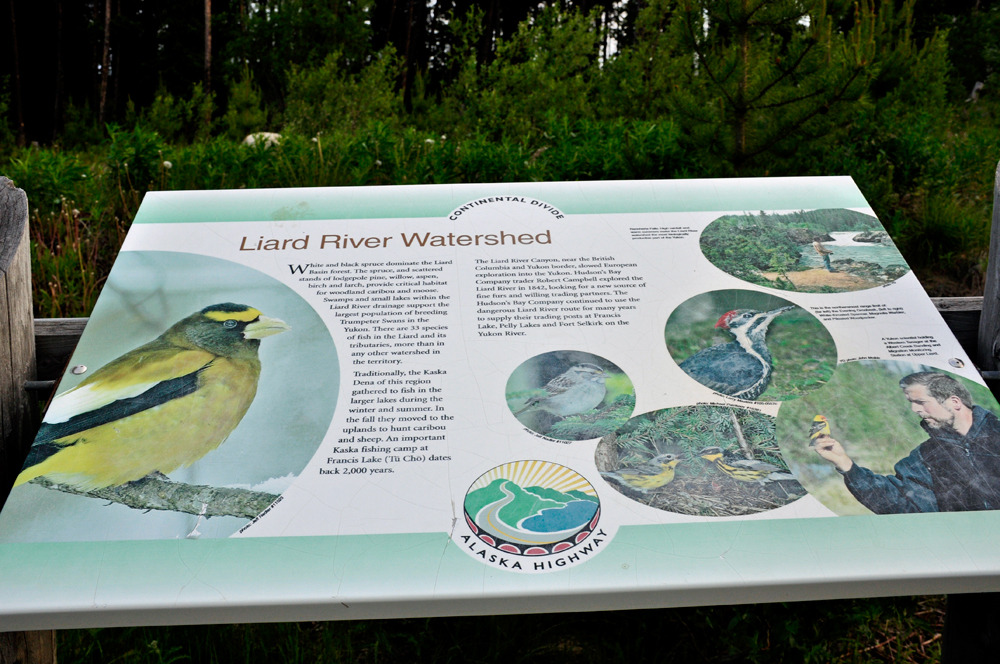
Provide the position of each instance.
(870, 271)
(874, 237)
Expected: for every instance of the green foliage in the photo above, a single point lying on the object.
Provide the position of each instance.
(329, 99)
(6, 134)
(798, 80)
(597, 423)
(135, 158)
(746, 246)
(698, 487)
(545, 72)
(864, 630)
(688, 430)
(641, 82)
(245, 113)
(282, 36)
(546, 106)
(181, 120)
(50, 178)
(975, 50)
(75, 234)
(80, 129)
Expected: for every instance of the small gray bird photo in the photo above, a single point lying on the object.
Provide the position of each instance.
(570, 395)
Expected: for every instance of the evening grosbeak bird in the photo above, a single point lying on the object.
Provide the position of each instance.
(659, 471)
(161, 406)
(745, 470)
(820, 429)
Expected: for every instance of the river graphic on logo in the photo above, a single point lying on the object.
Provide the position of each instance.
(532, 508)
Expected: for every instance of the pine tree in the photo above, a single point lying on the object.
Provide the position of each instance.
(753, 79)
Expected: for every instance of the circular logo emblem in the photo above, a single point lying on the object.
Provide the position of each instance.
(532, 509)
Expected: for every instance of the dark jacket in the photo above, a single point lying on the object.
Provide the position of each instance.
(947, 473)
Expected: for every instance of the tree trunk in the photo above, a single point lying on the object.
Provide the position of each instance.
(208, 47)
(104, 62)
(57, 107)
(117, 67)
(18, 112)
(741, 110)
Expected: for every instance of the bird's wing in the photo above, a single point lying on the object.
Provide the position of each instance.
(144, 378)
(753, 464)
(559, 384)
(723, 368)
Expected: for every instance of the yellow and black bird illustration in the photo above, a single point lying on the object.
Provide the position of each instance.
(745, 470)
(158, 407)
(820, 429)
(657, 472)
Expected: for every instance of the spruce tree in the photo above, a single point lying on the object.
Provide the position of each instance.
(753, 79)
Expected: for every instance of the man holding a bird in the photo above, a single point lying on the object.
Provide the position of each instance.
(956, 469)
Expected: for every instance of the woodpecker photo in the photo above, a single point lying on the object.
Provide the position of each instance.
(741, 368)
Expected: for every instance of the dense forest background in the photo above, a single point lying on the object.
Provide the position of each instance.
(102, 100)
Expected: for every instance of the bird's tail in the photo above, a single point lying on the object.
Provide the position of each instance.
(28, 474)
(778, 477)
(528, 406)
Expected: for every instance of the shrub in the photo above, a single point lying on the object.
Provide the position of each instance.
(245, 114)
(328, 99)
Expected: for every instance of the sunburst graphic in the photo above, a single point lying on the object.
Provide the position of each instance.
(537, 473)
(532, 507)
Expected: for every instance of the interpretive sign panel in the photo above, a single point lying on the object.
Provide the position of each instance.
(427, 400)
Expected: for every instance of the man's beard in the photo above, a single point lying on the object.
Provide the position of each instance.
(935, 423)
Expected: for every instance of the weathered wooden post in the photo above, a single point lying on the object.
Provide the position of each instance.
(989, 324)
(18, 411)
(18, 408)
(972, 622)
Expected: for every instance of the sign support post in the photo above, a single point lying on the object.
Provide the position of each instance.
(18, 412)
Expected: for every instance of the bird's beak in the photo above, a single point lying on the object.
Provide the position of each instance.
(777, 312)
(265, 327)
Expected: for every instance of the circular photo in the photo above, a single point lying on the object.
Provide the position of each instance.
(814, 251)
(532, 508)
(570, 395)
(699, 460)
(889, 437)
(751, 345)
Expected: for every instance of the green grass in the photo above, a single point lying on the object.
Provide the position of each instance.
(871, 630)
